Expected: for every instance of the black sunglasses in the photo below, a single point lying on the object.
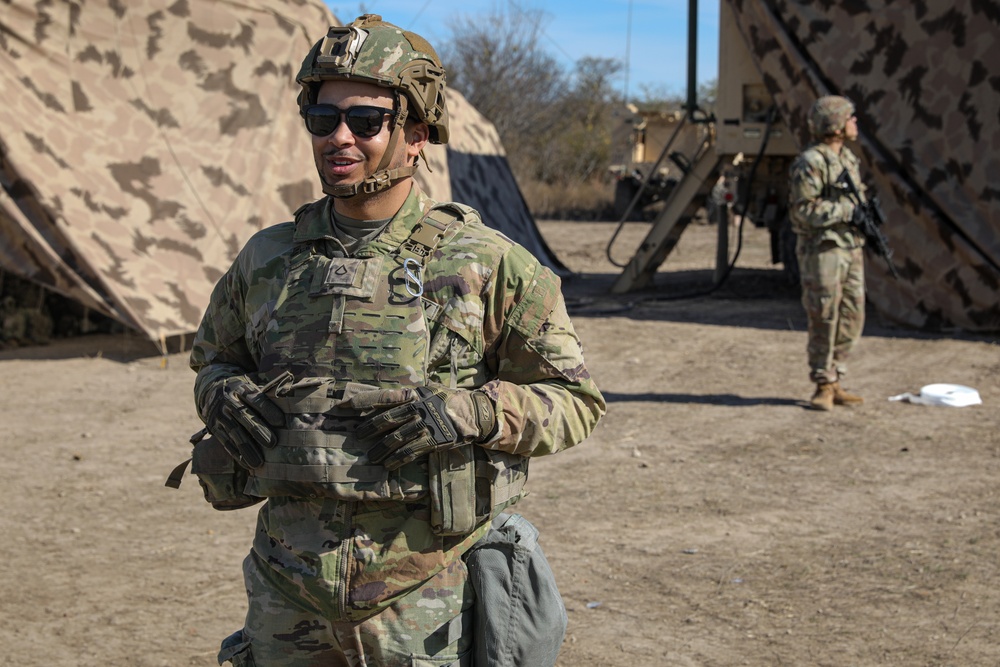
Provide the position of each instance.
(362, 120)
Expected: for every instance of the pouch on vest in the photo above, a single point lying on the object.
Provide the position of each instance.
(221, 480)
(452, 477)
(520, 618)
(470, 485)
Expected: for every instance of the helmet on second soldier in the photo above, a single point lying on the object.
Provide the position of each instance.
(829, 115)
(372, 51)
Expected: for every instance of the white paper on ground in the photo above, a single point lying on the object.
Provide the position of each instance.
(950, 395)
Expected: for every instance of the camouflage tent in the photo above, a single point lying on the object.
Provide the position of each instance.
(924, 77)
(142, 143)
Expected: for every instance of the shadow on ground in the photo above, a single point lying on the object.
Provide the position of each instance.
(757, 298)
(730, 400)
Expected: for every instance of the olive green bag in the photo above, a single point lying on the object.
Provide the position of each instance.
(221, 479)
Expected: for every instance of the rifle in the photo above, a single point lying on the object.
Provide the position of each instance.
(869, 218)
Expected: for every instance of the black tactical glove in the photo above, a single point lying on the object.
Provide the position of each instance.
(859, 215)
(239, 415)
(414, 422)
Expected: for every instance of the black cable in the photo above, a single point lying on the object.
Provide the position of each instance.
(642, 188)
(772, 112)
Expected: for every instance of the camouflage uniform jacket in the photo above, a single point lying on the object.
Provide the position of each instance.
(489, 317)
(520, 346)
(819, 209)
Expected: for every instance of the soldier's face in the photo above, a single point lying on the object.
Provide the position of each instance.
(851, 128)
(343, 157)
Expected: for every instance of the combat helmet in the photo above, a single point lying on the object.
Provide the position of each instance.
(829, 114)
(373, 51)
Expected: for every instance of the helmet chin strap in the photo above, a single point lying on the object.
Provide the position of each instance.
(382, 178)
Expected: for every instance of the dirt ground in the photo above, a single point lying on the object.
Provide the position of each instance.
(710, 520)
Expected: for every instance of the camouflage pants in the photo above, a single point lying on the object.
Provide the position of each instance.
(833, 294)
(430, 626)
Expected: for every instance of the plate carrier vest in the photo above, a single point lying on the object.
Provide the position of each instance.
(344, 324)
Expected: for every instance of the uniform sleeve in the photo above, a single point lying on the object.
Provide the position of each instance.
(545, 398)
(809, 208)
(219, 350)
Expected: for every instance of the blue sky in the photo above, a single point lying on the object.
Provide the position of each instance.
(656, 49)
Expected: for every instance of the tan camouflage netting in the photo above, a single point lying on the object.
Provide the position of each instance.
(141, 143)
(924, 77)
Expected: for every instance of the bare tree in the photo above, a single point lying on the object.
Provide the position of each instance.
(587, 115)
(661, 95)
(555, 126)
(496, 62)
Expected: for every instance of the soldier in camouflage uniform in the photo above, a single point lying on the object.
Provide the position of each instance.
(381, 369)
(829, 247)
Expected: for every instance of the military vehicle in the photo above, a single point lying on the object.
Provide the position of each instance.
(642, 174)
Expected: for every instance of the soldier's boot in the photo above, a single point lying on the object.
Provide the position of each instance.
(823, 398)
(841, 397)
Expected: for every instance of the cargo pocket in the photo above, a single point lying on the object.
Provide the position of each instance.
(464, 660)
(236, 650)
(453, 641)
